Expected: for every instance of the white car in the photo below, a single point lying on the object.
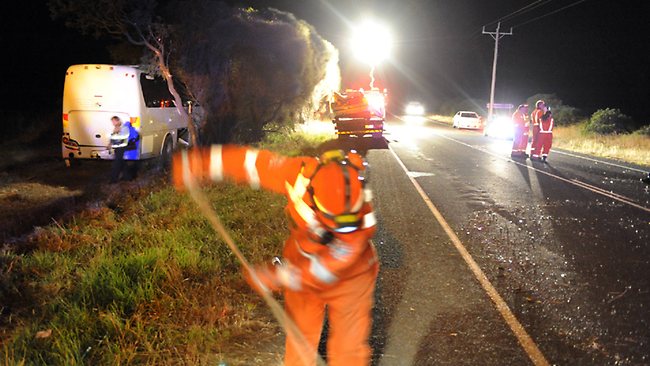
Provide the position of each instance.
(467, 119)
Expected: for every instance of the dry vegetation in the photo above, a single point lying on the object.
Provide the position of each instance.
(633, 148)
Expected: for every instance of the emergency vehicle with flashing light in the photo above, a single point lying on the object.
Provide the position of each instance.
(359, 113)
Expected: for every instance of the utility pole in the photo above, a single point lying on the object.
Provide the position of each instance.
(496, 35)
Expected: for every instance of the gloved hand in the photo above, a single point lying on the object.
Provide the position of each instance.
(274, 277)
(194, 160)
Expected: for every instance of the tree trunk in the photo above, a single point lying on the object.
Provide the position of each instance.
(177, 98)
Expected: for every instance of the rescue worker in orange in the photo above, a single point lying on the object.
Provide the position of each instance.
(536, 116)
(328, 258)
(545, 136)
(520, 140)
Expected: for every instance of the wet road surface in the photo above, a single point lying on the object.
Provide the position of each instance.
(564, 244)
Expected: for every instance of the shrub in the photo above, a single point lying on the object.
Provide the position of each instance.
(609, 121)
(644, 131)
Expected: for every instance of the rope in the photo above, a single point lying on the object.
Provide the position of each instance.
(305, 350)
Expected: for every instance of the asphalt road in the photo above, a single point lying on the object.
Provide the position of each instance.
(561, 254)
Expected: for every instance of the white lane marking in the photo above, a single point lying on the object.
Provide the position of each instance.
(575, 182)
(600, 161)
(419, 174)
(518, 330)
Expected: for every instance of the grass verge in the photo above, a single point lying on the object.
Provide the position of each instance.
(633, 148)
(143, 279)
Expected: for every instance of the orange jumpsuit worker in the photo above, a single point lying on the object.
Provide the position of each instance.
(328, 258)
(520, 140)
(540, 109)
(545, 135)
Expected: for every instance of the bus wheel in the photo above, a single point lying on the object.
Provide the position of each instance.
(166, 153)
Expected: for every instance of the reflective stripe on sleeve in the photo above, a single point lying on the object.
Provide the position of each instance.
(369, 220)
(216, 163)
(251, 169)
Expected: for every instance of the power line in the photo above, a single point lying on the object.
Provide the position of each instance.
(549, 13)
(534, 5)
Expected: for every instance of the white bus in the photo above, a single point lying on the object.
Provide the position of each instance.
(92, 94)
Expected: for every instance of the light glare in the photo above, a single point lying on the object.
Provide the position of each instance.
(371, 42)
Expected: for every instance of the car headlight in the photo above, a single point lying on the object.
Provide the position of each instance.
(502, 127)
(414, 110)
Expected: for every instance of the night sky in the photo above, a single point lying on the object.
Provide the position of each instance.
(591, 55)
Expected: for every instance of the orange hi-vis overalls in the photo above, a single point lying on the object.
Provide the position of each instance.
(545, 136)
(520, 140)
(340, 274)
(535, 117)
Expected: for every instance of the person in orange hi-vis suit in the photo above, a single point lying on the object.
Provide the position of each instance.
(520, 139)
(328, 258)
(545, 134)
(540, 109)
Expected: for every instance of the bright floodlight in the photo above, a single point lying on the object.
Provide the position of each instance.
(371, 42)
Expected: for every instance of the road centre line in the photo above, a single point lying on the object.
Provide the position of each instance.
(575, 182)
(518, 330)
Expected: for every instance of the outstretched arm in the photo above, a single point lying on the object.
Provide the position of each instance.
(239, 164)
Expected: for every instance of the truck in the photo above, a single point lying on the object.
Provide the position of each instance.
(359, 113)
(92, 94)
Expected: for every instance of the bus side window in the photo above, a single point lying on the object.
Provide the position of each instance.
(155, 92)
